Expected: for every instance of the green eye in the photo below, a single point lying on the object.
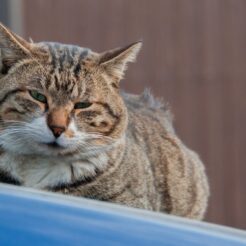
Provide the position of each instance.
(38, 96)
(82, 105)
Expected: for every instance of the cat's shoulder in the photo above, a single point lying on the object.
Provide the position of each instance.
(146, 105)
(146, 102)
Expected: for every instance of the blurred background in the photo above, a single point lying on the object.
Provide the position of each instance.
(194, 56)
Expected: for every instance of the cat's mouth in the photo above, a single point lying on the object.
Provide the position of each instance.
(54, 145)
(56, 149)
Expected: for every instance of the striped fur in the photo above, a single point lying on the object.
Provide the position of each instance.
(66, 127)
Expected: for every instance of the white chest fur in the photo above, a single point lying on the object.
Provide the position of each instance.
(41, 172)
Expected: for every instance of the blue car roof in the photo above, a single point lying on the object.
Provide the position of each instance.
(31, 217)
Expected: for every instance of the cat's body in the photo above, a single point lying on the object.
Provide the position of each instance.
(111, 147)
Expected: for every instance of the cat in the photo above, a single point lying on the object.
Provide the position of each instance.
(66, 127)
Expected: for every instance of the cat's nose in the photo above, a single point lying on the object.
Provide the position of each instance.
(57, 130)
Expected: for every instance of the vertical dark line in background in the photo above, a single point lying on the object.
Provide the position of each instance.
(4, 12)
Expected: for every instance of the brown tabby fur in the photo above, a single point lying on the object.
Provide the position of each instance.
(134, 157)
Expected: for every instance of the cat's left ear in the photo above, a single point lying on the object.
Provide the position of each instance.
(115, 61)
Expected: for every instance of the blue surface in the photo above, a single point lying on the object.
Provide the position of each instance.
(36, 218)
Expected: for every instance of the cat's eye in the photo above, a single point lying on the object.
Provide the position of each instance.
(80, 105)
(38, 96)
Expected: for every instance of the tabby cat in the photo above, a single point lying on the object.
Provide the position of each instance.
(66, 127)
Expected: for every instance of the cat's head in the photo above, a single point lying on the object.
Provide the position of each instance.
(58, 99)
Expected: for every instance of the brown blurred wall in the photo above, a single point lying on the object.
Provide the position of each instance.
(194, 56)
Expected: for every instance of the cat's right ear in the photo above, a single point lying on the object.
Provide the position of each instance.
(12, 49)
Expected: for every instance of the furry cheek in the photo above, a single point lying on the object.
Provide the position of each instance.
(69, 133)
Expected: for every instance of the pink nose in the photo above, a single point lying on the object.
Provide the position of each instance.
(57, 130)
